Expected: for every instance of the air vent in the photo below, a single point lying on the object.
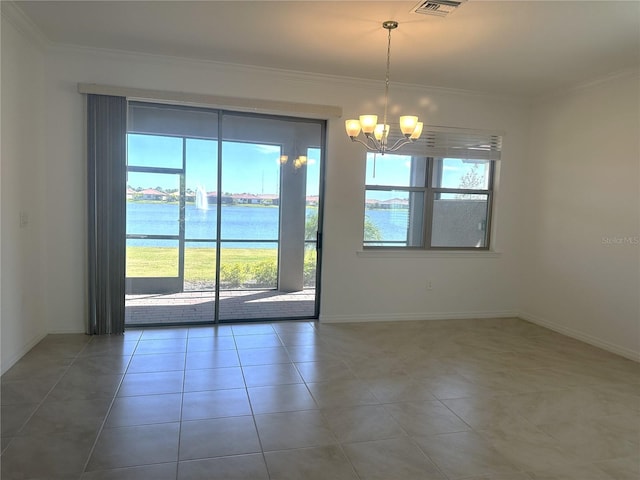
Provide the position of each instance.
(437, 8)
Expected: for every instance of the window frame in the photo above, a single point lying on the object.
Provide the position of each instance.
(430, 192)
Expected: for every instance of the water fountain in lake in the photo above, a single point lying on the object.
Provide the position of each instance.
(202, 203)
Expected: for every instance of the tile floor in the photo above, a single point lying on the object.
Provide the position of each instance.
(477, 399)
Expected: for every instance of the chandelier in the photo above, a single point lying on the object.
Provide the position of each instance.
(299, 162)
(376, 135)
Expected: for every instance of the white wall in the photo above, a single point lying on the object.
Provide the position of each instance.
(22, 315)
(581, 253)
(353, 287)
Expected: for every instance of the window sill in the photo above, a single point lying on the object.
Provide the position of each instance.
(428, 254)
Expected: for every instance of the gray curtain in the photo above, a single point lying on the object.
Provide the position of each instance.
(106, 167)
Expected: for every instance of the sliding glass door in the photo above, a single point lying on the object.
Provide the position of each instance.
(200, 215)
(221, 230)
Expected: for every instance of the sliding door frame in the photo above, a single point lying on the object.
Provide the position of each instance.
(181, 237)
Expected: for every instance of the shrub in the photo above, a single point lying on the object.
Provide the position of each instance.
(233, 275)
(264, 274)
(310, 270)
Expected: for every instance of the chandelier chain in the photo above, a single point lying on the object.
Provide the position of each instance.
(386, 81)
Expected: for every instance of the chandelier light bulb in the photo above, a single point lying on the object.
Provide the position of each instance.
(381, 132)
(353, 127)
(408, 124)
(368, 123)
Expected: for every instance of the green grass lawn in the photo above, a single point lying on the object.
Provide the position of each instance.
(199, 263)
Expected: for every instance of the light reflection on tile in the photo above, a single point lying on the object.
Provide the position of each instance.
(263, 356)
(212, 359)
(207, 344)
(165, 345)
(215, 404)
(278, 374)
(324, 371)
(153, 383)
(158, 362)
(213, 379)
(265, 340)
(342, 393)
(281, 398)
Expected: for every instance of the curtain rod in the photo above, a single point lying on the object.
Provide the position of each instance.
(232, 103)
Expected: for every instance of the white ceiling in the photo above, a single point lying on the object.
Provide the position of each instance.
(506, 47)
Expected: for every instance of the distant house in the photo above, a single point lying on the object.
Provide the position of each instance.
(152, 194)
(394, 203)
(269, 199)
(312, 200)
(245, 199)
(131, 193)
(372, 203)
(212, 198)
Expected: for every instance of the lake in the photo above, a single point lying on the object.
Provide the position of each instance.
(238, 223)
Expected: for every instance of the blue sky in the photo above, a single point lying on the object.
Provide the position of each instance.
(247, 168)
(395, 170)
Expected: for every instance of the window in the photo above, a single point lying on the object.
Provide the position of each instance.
(437, 196)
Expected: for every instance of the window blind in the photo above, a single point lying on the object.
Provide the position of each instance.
(449, 142)
(106, 208)
(172, 120)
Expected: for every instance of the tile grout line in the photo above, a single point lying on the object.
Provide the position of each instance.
(184, 379)
(253, 414)
(113, 399)
(339, 444)
(44, 398)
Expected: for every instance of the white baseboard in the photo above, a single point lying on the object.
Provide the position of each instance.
(11, 361)
(385, 317)
(583, 337)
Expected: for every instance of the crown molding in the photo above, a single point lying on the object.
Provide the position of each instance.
(295, 75)
(588, 84)
(626, 72)
(16, 17)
